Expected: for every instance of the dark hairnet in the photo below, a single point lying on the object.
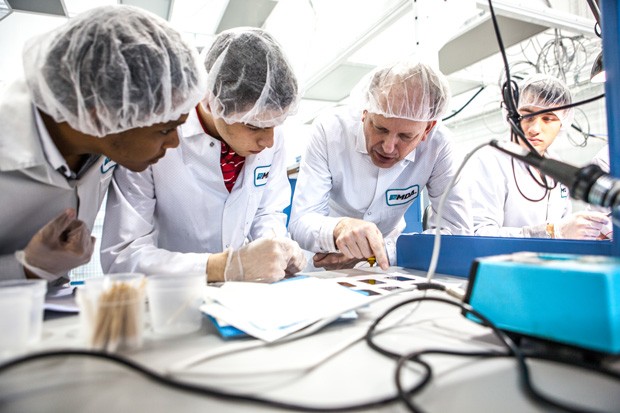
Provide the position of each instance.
(249, 79)
(111, 69)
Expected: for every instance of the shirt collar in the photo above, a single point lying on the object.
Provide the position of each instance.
(49, 148)
(360, 139)
(53, 155)
(411, 155)
(192, 126)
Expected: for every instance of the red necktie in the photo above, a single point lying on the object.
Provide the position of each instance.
(230, 162)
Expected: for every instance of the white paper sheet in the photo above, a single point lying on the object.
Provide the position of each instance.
(272, 311)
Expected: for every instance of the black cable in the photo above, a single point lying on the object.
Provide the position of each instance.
(510, 91)
(513, 351)
(588, 134)
(595, 10)
(189, 387)
(519, 131)
(465, 105)
(530, 390)
(544, 184)
(406, 395)
(568, 106)
(510, 94)
(500, 41)
(582, 131)
(371, 330)
(403, 394)
(565, 51)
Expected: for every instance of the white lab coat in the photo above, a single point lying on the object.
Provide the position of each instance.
(170, 217)
(601, 159)
(338, 179)
(33, 192)
(498, 207)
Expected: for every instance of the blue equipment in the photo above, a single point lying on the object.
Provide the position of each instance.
(565, 298)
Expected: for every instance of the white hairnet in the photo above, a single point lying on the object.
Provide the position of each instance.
(111, 69)
(249, 79)
(542, 91)
(406, 90)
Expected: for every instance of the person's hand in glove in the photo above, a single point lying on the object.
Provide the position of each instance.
(581, 225)
(265, 260)
(61, 245)
(334, 261)
(356, 238)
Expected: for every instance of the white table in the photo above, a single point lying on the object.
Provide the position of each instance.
(359, 374)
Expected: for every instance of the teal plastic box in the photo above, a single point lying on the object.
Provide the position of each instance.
(571, 299)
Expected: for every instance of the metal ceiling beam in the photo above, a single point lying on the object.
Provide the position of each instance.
(162, 8)
(472, 44)
(337, 84)
(381, 24)
(250, 13)
(541, 15)
(5, 9)
(52, 7)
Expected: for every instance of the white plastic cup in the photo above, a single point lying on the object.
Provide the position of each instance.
(21, 312)
(112, 311)
(174, 303)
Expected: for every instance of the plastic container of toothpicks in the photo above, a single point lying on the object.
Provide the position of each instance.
(112, 311)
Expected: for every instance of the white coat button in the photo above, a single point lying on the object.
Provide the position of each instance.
(369, 213)
(227, 245)
(212, 144)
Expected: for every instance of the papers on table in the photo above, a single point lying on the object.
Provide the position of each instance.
(379, 283)
(272, 311)
(61, 299)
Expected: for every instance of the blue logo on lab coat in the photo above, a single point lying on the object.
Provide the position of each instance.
(401, 196)
(107, 165)
(563, 191)
(261, 174)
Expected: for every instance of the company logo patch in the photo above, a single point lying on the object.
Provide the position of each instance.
(563, 191)
(401, 196)
(261, 175)
(107, 165)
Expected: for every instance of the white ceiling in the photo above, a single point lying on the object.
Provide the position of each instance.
(331, 43)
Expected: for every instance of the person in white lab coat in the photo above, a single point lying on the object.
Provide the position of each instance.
(225, 184)
(366, 164)
(109, 86)
(601, 159)
(511, 199)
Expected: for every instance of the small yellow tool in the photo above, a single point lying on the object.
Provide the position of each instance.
(371, 260)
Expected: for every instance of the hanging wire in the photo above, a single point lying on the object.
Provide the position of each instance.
(465, 105)
(562, 55)
(583, 132)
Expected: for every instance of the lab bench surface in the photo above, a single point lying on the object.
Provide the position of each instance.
(286, 372)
